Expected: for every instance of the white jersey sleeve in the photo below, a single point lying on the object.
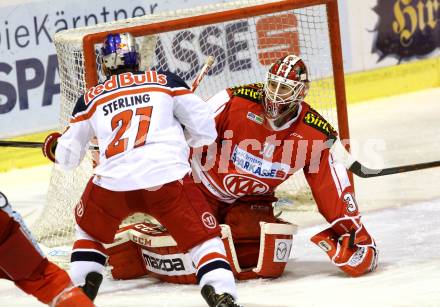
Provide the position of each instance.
(73, 145)
(196, 116)
(218, 102)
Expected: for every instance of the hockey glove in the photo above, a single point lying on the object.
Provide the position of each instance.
(50, 145)
(349, 246)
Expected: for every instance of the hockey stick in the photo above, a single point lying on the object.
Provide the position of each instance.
(360, 170)
(208, 63)
(23, 144)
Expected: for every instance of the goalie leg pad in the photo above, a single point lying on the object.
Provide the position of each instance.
(274, 250)
(244, 220)
(275, 246)
(19, 258)
(144, 248)
(126, 261)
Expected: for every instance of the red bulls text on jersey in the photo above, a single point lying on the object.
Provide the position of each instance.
(138, 119)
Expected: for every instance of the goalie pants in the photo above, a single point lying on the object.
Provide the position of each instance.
(243, 217)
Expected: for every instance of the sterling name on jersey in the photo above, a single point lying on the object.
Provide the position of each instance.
(252, 159)
(137, 119)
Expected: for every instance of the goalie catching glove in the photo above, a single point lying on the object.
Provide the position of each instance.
(349, 246)
(50, 145)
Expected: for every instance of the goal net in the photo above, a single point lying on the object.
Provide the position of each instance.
(244, 37)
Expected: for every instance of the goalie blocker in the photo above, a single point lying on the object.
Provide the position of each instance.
(147, 249)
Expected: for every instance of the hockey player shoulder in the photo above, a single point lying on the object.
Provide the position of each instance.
(313, 119)
(252, 92)
(173, 80)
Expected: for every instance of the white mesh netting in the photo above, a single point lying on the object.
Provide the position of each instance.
(243, 50)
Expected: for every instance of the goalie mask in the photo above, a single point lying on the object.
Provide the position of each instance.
(119, 53)
(286, 86)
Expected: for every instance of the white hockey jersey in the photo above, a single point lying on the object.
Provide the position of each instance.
(137, 119)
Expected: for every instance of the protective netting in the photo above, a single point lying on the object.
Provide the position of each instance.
(243, 50)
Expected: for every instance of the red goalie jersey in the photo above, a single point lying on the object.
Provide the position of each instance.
(253, 159)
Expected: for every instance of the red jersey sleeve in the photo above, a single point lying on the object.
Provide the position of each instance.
(331, 188)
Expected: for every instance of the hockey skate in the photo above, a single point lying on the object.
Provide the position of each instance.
(218, 300)
(91, 287)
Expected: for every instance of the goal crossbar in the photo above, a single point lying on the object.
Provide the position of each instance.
(90, 40)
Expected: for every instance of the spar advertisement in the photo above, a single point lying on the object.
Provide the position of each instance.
(29, 78)
(375, 33)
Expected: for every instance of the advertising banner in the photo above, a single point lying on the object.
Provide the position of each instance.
(391, 32)
(407, 29)
(29, 81)
(375, 34)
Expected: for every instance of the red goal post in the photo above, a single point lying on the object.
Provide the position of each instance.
(244, 37)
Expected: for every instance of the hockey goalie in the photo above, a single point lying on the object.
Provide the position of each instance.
(266, 132)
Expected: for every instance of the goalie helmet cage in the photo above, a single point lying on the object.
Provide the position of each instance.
(244, 37)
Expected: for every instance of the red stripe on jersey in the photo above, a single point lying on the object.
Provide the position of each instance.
(88, 244)
(181, 92)
(116, 95)
(209, 257)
